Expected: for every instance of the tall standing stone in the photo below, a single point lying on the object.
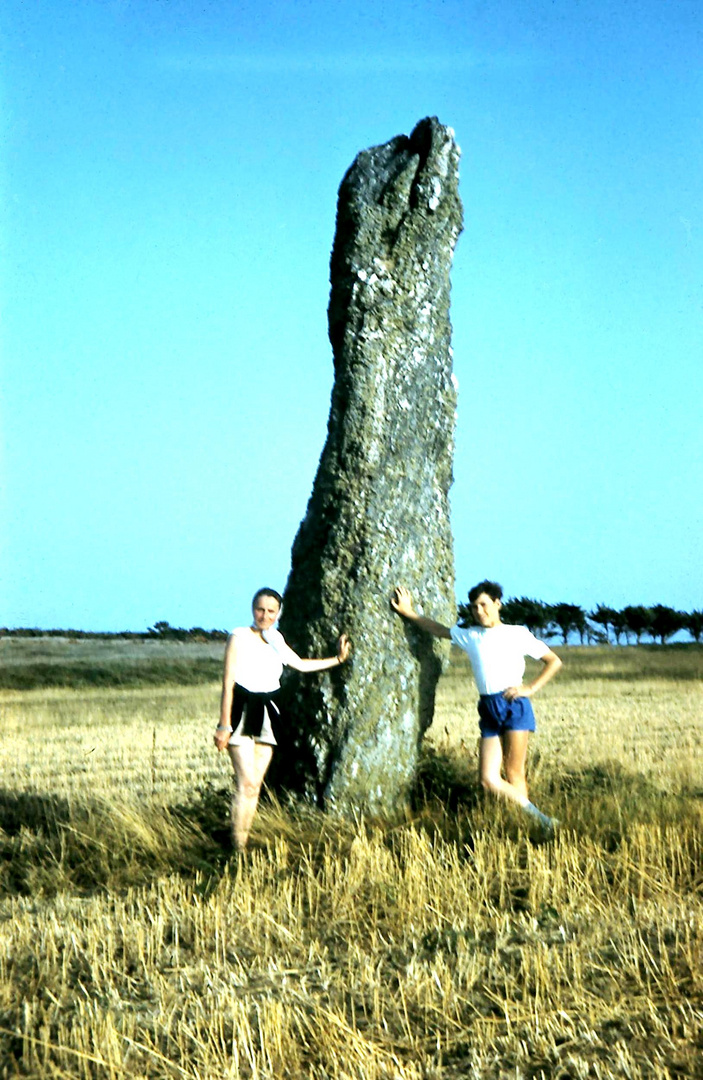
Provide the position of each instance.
(378, 515)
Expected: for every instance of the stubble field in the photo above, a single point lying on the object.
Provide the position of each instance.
(450, 944)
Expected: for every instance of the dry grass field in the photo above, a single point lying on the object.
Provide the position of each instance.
(451, 944)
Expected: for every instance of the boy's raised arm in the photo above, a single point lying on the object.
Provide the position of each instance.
(401, 601)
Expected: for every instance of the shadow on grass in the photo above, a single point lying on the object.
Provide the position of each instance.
(603, 800)
(49, 844)
(443, 776)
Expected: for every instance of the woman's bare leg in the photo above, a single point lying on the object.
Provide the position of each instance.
(250, 761)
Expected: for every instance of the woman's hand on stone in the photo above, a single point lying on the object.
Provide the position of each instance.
(343, 649)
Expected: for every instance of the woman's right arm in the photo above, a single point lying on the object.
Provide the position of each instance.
(224, 730)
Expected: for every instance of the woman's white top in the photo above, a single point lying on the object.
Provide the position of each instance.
(259, 663)
(497, 654)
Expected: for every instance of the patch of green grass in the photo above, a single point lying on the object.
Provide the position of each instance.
(618, 663)
(76, 676)
(35, 663)
(680, 661)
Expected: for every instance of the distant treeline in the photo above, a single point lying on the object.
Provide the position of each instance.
(603, 626)
(160, 631)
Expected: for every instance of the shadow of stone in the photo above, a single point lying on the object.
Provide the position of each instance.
(425, 648)
(294, 769)
(443, 778)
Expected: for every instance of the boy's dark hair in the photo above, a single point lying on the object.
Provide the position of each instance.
(267, 592)
(492, 588)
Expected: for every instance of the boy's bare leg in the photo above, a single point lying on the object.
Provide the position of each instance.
(250, 761)
(514, 744)
(490, 767)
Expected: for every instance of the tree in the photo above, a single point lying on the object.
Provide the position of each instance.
(603, 616)
(693, 622)
(533, 614)
(666, 621)
(583, 629)
(618, 625)
(638, 620)
(568, 617)
(164, 629)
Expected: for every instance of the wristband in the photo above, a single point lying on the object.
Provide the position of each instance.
(220, 728)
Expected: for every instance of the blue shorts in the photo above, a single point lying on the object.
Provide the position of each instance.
(498, 715)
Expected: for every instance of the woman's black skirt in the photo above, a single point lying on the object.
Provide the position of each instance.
(254, 708)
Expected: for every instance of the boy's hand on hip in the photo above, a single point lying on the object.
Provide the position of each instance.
(513, 692)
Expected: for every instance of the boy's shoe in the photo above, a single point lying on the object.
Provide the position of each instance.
(549, 828)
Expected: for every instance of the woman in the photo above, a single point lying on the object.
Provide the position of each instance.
(254, 660)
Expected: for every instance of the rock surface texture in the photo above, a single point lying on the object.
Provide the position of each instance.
(378, 514)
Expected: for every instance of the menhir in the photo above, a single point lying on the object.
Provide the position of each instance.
(378, 515)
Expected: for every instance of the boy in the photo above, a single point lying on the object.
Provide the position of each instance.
(497, 653)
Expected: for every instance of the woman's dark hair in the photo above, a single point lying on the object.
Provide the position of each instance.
(268, 592)
(492, 588)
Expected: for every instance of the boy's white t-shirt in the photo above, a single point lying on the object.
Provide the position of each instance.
(497, 654)
(258, 667)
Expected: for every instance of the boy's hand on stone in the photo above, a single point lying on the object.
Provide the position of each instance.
(401, 601)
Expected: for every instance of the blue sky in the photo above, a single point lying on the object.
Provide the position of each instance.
(169, 180)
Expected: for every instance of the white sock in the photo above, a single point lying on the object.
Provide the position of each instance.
(532, 810)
